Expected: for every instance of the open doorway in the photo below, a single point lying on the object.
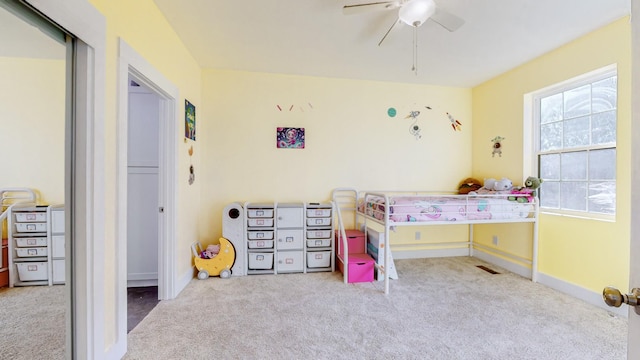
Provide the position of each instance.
(144, 209)
(154, 168)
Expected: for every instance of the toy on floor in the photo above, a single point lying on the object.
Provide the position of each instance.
(210, 252)
(220, 264)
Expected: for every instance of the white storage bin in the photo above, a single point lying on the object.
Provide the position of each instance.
(318, 221)
(318, 259)
(318, 213)
(30, 242)
(260, 235)
(318, 243)
(260, 213)
(31, 227)
(319, 234)
(260, 222)
(57, 246)
(260, 244)
(31, 252)
(32, 271)
(260, 261)
(290, 239)
(290, 261)
(31, 217)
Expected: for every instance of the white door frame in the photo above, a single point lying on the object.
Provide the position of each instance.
(86, 199)
(132, 63)
(633, 347)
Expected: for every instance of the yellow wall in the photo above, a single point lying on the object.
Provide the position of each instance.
(32, 119)
(145, 29)
(350, 139)
(587, 253)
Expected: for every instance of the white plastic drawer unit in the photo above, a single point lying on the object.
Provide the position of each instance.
(319, 234)
(57, 221)
(319, 221)
(260, 222)
(290, 216)
(260, 235)
(315, 243)
(32, 271)
(260, 213)
(318, 259)
(31, 252)
(290, 261)
(289, 239)
(31, 241)
(31, 217)
(260, 261)
(260, 244)
(57, 246)
(31, 227)
(318, 213)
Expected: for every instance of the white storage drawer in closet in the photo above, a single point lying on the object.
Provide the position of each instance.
(260, 213)
(57, 246)
(31, 227)
(318, 213)
(319, 259)
(31, 252)
(32, 241)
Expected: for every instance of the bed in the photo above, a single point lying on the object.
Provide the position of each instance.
(392, 209)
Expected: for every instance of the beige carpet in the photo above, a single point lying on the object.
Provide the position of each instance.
(438, 309)
(32, 322)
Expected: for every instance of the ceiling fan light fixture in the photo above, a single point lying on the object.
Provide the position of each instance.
(416, 12)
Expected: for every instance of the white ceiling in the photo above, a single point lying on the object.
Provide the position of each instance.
(314, 37)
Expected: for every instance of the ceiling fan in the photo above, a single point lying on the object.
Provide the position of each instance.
(411, 12)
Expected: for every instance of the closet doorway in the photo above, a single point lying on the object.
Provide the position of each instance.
(143, 198)
(147, 180)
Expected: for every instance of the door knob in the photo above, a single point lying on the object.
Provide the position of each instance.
(613, 297)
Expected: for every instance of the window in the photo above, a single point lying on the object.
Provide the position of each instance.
(575, 146)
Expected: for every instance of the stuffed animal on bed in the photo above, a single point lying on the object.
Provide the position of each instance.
(531, 185)
(468, 185)
(503, 184)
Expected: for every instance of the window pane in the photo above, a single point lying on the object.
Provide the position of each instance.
(574, 165)
(603, 128)
(550, 194)
(550, 167)
(551, 136)
(605, 94)
(574, 195)
(602, 164)
(551, 108)
(577, 102)
(602, 197)
(576, 132)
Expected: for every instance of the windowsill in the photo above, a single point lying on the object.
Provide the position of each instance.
(579, 215)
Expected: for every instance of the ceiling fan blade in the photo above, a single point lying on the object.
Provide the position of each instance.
(360, 8)
(388, 31)
(447, 20)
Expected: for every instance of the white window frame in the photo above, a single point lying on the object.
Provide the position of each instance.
(531, 138)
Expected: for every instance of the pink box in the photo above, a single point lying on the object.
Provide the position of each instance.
(355, 239)
(360, 268)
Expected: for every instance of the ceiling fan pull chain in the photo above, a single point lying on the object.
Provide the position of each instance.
(415, 50)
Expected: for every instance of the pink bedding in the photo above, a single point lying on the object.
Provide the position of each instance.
(445, 208)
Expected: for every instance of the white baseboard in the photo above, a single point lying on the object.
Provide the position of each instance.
(184, 280)
(428, 253)
(591, 297)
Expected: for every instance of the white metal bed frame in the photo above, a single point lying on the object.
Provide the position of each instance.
(346, 200)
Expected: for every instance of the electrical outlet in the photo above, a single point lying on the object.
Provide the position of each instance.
(418, 235)
(495, 239)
